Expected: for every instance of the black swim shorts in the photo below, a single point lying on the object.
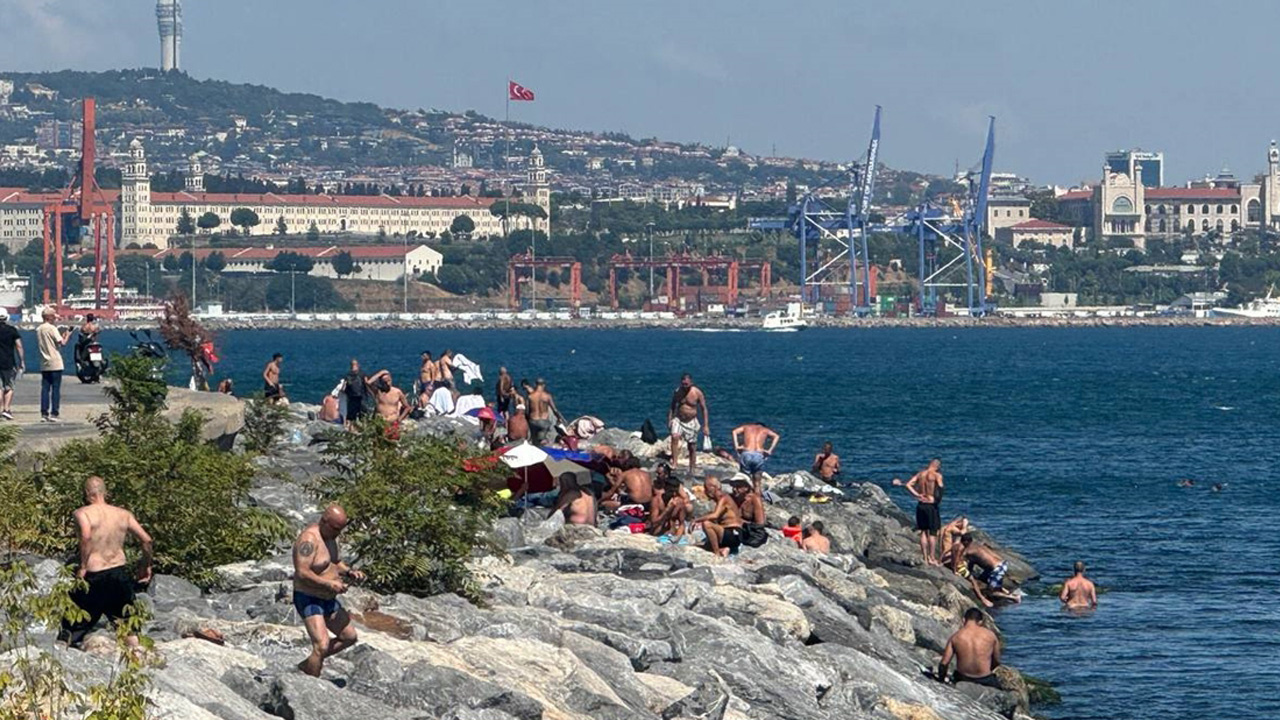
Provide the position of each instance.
(731, 539)
(109, 592)
(928, 519)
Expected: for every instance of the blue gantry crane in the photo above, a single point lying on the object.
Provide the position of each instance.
(838, 236)
(950, 240)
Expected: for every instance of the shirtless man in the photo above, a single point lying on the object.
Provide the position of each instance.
(670, 519)
(985, 565)
(826, 464)
(926, 487)
(390, 401)
(541, 408)
(271, 387)
(723, 525)
(505, 391)
(754, 443)
(814, 540)
(750, 506)
(579, 505)
(1079, 593)
(949, 539)
(103, 529)
(319, 577)
(518, 424)
(976, 651)
(629, 485)
(444, 367)
(682, 420)
(329, 410)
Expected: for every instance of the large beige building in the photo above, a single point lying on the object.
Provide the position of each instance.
(147, 217)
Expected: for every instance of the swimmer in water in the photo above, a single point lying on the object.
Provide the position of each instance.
(1186, 483)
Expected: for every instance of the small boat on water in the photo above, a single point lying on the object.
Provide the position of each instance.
(1259, 308)
(13, 292)
(789, 320)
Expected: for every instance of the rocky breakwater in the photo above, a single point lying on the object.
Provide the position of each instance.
(581, 623)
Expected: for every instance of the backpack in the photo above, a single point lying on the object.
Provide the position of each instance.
(754, 535)
(647, 433)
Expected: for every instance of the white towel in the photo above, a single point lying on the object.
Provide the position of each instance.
(441, 402)
(470, 370)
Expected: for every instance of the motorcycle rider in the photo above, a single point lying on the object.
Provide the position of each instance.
(89, 331)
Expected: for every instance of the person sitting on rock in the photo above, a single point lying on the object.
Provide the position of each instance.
(723, 525)
(814, 540)
(976, 651)
(985, 565)
(949, 538)
(793, 530)
(750, 506)
(629, 484)
(579, 505)
(670, 521)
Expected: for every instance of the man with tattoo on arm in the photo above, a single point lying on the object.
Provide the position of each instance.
(319, 577)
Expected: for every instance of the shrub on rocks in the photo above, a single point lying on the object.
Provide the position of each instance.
(191, 497)
(263, 424)
(416, 513)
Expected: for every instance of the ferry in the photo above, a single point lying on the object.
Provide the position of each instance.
(789, 320)
(1258, 309)
(13, 292)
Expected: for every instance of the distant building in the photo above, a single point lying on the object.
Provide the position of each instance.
(1040, 232)
(169, 20)
(1006, 211)
(6, 91)
(384, 263)
(1150, 165)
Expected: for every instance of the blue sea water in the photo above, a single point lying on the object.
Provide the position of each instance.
(1065, 443)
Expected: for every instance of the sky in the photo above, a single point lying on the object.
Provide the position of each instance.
(1066, 81)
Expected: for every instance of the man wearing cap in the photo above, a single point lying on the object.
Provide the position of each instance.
(12, 362)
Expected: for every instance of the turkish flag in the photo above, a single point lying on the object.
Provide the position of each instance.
(516, 91)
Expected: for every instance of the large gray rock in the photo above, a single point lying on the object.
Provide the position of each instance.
(302, 697)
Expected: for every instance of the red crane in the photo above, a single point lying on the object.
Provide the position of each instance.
(530, 263)
(92, 214)
(673, 264)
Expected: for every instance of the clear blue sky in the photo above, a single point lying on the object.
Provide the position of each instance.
(1066, 80)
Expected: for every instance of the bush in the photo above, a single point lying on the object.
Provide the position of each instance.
(188, 494)
(416, 515)
(263, 424)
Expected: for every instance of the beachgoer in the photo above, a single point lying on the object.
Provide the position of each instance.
(319, 577)
(985, 566)
(541, 408)
(675, 510)
(1078, 592)
(754, 443)
(329, 410)
(976, 651)
(103, 530)
(579, 505)
(271, 386)
(12, 362)
(793, 530)
(518, 424)
(826, 464)
(389, 400)
(506, 391)
(814, 539)
(226, 387)
(443, 399)
(926, 487)
(356, 387)
(444, 368)
(682, 420)
(629, 485)
(750, 506)
(723, 525)
(51, 340)
(949, 539)
(471, 401)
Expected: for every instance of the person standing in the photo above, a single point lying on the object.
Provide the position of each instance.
(10, 348)
(319, 577)
(826, 464)
(51, 340)
(271, 387)
(926, 487)
(542, 414)
(682, 419)
(1078, 592)
(754, 443)
(505, 391)
(356, 387)
(103, 529)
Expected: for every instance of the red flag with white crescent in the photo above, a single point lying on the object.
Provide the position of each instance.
(516, 91)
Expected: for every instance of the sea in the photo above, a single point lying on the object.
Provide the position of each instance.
(1065, 443)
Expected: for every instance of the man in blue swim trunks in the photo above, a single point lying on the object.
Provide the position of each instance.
(319, 577)
(985, 566)
(754, 443)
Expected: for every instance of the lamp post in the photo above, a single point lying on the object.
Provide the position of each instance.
(405, 262)
(293, 273)
(648, 231)
(193, 273)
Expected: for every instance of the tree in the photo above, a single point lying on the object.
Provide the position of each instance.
(282, 228)
(289, 261)
(313, 232)
(215, 262)
(344, 264)
(170, 263)
(186, 225)
(308, 293)
(245, 219)
(462, 225)
(209, 221)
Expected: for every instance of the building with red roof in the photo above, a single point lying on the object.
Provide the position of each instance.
(1041, 232)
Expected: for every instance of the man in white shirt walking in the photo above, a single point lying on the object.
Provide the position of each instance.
(51, 340)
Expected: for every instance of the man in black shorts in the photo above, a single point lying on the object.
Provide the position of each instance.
(10, 349)
(271, 387)
(926, 487)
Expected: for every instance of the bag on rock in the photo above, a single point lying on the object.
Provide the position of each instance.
(754, 535)
(647, 433)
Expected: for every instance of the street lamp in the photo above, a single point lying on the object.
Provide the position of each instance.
(405, 262)
(648, 231)
(292, 308)
(193, 273)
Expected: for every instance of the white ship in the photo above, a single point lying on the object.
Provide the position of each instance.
(789, 320)
(1261, 308)
(13, 292)
(130, 304)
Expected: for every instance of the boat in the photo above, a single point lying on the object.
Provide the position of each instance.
(130, 303)
(789, 320)
(1257, 309)
(13, 292)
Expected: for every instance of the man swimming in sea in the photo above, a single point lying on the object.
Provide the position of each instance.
(985, 566)
(1078, 592)
(682, 420)
(976, 651)
(723, 525)
(926, 487)
(826, 464)
(754, 443)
